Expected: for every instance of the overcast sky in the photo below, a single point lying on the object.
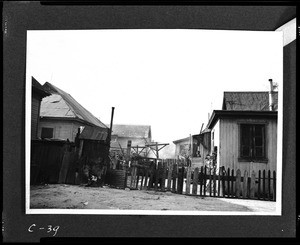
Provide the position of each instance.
(169, 79)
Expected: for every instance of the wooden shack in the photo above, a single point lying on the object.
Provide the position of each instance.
(244, 132)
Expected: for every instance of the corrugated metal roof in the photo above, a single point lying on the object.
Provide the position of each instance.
(62, 104)
(131, 131)
(248, 101)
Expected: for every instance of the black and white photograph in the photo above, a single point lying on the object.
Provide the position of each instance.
(152, 122)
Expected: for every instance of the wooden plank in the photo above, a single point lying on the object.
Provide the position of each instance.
(170, 169)
(142, 178)
(223, 181)
(146, 178)
(210, 181)
(138, 172)
(258, 188)
(188, 181)
(232, 182)
(252, 185)
(174, 177)
(151, 173)
(156, 177)
(195, 181)
(214, 182)
(64, 168)
(201, 180)
(245, 184)
(228, 183)
(163, 177)
(269, 185)
(238, 184)
(180, 180)
(274, 186)
(264, 185)
(204, 181)
(219, 183)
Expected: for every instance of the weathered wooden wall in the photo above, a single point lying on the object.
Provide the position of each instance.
(229, 146)
(61, 129)
(35, 114)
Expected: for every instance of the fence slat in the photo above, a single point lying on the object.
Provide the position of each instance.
(138, 172)
(228, 183)
(219, 184)
(245, 184)
(214, 182)
(264, 185)
(156, 176)
(238, 184)
(201, 180)
(269, 185)
(195, 181)
(174, 177)
(259, 187)
(232, 183)
(252, 185)
(223, 181)
(180, 180)
(188, 181)
(210, 182)
(146, 178)
(274, 186)
(170, 169)
(163, 177)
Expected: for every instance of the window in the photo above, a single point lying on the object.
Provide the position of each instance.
(252, 143)
(47, 133)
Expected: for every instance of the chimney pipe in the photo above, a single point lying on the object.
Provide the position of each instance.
(271, 100)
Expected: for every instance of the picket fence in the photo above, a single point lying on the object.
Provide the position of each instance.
(172, 175)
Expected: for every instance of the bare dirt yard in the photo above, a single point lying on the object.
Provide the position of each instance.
(61, 196)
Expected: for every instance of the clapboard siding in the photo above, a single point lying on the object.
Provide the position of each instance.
(229, 146)
(35, 113)
(61, 130)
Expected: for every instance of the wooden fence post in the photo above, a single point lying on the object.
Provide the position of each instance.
(228, 182)
(195, 181)
(180, 180)
(274, 186)
(245, 184)
(163, 177)
(214, 181)
(170, 170)
(232, 180)
(258, 188)
(223, 181)
(201, 180)
(219, 182)
(269, 185)
(264, 184)
(252, 185)
(188, 181)
(210, 182)
(238, 184)
(174, 177)
(204, 182)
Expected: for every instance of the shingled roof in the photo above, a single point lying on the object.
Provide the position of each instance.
(62, 105)
(131, 131)
(248, 101)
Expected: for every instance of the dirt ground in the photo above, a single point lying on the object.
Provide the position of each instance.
(61, 196)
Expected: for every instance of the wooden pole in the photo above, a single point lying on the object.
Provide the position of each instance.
(111, 122)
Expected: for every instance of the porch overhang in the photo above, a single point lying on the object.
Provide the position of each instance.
(219, 114)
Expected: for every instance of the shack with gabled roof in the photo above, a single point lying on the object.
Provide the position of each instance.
(244, 132)
(61, 116)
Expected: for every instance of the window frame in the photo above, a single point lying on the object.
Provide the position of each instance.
(264, 158)
(47, 137)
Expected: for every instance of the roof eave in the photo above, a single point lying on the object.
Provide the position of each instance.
(218, 114)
